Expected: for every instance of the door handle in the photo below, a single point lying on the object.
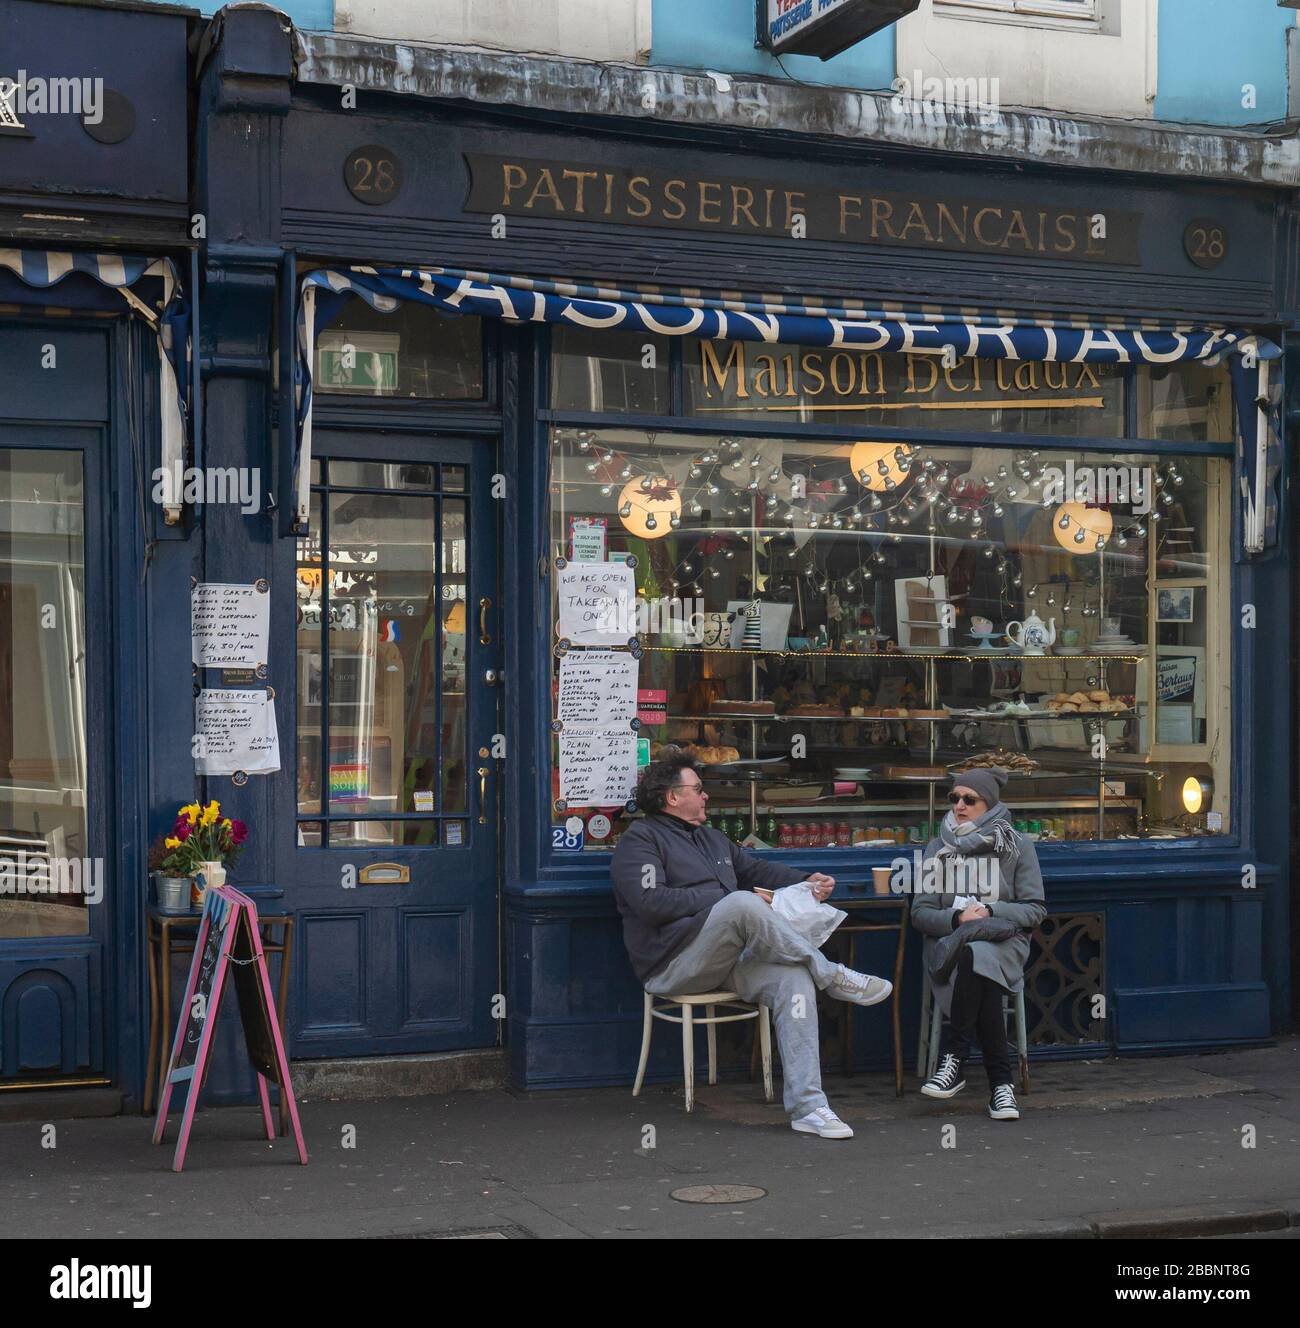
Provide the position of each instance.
(484, 637)
(482, 794)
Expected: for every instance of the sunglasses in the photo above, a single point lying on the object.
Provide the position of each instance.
(967, 799)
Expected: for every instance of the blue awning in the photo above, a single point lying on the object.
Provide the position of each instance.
(151, 289)
(920, 329)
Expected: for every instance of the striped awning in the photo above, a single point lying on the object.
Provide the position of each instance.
(919, 329)
(166, 310)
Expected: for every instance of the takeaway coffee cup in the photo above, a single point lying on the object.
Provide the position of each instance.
(880, 879)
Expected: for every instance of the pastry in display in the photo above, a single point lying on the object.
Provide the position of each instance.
(817, 710)
(1016, 762)
(720, 707)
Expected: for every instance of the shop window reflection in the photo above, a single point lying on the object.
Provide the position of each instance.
(42, 695)
(835, 627)
(393, 738)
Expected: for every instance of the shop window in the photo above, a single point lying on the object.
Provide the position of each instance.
(381, 694)
(414, 351)
(738, 380)
(594, 371)
(43, 696)
(835, 627)
(1185, 403)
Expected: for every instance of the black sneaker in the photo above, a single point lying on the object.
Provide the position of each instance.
(1002, 1104)
(947, 1080)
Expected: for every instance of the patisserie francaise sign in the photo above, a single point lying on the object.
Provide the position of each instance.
(681, 200)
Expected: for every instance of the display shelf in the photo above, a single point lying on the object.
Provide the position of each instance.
(899, 719)
(879, 655)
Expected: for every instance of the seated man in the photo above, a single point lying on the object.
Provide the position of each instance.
(695, 919)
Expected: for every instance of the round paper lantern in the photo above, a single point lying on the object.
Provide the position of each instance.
(875, 465)
(649, 512)
(1078, 528)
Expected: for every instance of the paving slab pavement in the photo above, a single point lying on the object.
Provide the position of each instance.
(1202, 1142)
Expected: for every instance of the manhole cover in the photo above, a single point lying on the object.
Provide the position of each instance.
(719, 1194)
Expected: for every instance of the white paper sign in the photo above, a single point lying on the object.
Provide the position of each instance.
(597, 769)
(236, 731)
(229, 625)
(597, 689)
(597, 603)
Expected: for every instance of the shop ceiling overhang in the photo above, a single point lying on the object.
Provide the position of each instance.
(920, 329)
(128, 277)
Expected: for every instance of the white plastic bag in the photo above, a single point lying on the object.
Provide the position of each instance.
(801, 909)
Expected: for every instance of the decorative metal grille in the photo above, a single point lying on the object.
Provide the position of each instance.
(1066, 970)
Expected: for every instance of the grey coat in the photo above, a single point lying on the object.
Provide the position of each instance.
(1020, 900)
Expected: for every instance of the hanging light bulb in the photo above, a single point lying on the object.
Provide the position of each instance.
(988, 551)
(606, 490)
(876, 503)
(840, 486)
(650, 522)
(714, 573)
(855, 516)
(1080, 535)
(625, 510)
(625, 473)
(1101, 543)
(697, 508)
(997, 510)
(712, 488)
(1051, 598)
(1016, 580)
(675, 521)
(1031, 593)
(952, 514)
(1154, 515)
(729, 553)
(1064, 521)
(976, 520)
(1121, 540)
(776, 475)
(837, 524)
(696, 472)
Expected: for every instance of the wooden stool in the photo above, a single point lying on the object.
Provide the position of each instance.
(710, 1000)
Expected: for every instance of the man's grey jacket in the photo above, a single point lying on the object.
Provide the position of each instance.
(668, 875)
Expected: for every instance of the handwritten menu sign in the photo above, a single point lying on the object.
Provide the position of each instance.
(597, 603)
(229, 625)
(235, 730)
(597, 768)
(597, 689)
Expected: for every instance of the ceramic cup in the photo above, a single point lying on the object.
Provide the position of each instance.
(1070, 637)
(981, 626)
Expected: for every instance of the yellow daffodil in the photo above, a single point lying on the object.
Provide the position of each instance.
(191, 812)
(225, 823)
(210, 813)
(172, 843)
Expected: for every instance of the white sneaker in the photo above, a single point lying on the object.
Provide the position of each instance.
(858, 988)
(822, 1121)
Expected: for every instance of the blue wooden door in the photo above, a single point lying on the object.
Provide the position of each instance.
(56, 883)
(392, 869)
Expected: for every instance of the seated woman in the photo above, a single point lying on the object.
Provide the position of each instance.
(989, 871)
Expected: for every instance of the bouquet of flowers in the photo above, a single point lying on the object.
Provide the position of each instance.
(202, 834)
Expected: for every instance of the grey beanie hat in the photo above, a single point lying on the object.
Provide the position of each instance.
(987, 781)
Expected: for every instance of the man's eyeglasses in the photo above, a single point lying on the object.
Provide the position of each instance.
(696, 787)
(967, 799)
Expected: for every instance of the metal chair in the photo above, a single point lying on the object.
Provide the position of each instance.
(656, 1007)
(927, 1051)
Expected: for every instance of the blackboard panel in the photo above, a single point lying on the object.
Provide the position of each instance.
(253, 1014)
(208, 966)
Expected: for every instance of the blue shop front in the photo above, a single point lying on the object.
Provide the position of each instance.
(94, 326)
(845, 464)
(902, 460)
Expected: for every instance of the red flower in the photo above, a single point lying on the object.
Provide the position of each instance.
(238, 832)
(182, 829)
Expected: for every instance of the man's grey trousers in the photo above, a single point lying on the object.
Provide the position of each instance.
(746, 948)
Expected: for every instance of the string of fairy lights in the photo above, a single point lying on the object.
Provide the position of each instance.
(883, 493)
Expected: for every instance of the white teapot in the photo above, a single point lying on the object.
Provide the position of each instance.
(1034, 635)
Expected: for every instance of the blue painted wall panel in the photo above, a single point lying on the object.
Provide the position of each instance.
(720, 35)
(1209, 51)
